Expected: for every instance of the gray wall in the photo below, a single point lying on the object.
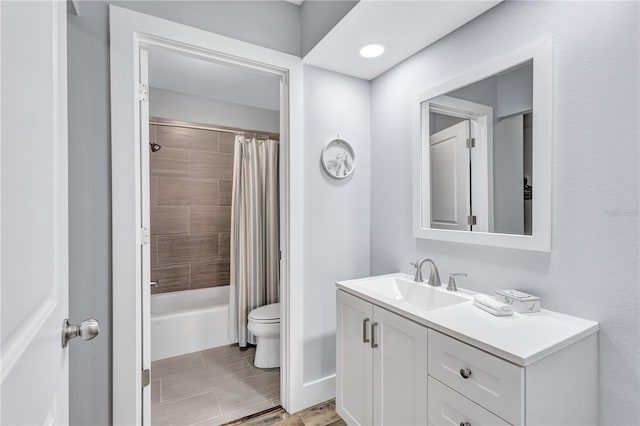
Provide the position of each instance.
(336, 212)
(271, 24)
(318, 17)
(593, 269)
(180, 106)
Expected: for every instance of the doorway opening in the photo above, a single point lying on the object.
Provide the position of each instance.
(212, 178)
(131, 289)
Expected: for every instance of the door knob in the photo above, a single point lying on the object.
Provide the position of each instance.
(87, 330)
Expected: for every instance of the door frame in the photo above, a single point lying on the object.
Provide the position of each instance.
(481, 118)
(128, 32)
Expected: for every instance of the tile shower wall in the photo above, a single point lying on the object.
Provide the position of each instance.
(190, 207)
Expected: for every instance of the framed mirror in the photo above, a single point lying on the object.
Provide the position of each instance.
(482, 168)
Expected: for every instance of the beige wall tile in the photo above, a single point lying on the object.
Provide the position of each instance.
(153, 199)
(224, 247)
(169, 162)
(155, 391)
(153, 247)
(177, 249)
(210, 220)
(210, 274)
(226, 142)
(169, 220)
(211, 165)
(184, 138)
(186, 192)
(224, 192)
(170, 278)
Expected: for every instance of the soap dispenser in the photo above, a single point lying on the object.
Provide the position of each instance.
(452, 280)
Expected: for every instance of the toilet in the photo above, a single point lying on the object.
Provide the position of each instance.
(264, 323)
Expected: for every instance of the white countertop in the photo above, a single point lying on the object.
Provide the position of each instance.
(521, 338)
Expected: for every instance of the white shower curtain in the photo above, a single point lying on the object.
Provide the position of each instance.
(255, 248)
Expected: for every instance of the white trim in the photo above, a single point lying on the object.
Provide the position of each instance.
(540, 240)
(319, 390)
(128, 31)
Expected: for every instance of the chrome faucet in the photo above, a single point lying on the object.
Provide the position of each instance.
(434, 276)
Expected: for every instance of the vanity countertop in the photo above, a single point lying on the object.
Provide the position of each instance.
(521, 338)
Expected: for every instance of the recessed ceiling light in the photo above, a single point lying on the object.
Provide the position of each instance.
(371, 50)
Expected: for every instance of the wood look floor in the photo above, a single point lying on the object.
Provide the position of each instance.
(211, 387)
(323, 414)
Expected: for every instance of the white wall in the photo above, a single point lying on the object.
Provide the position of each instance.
(180, 106)
(593, 270)
(336, 222)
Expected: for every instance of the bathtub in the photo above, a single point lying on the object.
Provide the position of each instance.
(188, 321)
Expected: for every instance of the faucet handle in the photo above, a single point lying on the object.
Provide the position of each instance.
(418, 276)
(451, 286)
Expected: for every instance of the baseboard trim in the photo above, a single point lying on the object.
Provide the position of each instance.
(318, 391)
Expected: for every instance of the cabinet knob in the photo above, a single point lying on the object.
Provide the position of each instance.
(465, 372)
(465, 424)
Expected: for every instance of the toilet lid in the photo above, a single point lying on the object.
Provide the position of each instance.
(267, 312)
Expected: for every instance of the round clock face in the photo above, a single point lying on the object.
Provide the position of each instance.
(338, 159)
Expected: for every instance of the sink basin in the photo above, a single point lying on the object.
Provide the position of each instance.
(418, 295)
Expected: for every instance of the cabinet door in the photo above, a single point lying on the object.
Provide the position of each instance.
(353, 359)
(399, 370)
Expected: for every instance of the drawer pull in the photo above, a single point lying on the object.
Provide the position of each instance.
(373, 335)
(465, 372)
(465, 424)
(365, 339)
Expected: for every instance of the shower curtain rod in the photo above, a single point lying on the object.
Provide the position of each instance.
(212, 128)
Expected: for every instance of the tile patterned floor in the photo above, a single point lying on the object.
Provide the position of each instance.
(211, 387)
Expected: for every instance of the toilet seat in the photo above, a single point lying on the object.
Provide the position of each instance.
(267, 314)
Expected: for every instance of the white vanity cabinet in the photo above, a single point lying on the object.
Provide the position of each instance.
(397, 368)
(381, 365)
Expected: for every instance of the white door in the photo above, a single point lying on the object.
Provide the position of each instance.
(34, 255)
(145, 247)
(399, 370)
(353, 362)
(450, 178)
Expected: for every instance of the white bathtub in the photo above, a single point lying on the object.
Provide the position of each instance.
(188, 321)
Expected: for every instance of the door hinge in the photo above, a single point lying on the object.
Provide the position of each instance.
(143, 92)
(471, 220)
(146, 377)
(471, 142)
(144, 236)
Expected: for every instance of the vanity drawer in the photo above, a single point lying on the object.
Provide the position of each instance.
(448, 407)
(494, 383)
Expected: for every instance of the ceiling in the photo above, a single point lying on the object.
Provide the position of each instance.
(405, 27)
(171, 71)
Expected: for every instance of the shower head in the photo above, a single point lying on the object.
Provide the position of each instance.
(154, 146)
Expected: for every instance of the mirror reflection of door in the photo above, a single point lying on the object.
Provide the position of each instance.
(488, 186)
(450, 177)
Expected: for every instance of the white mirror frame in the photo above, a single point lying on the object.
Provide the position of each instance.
(540, 240)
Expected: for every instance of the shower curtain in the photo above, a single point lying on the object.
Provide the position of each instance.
(255, 248)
